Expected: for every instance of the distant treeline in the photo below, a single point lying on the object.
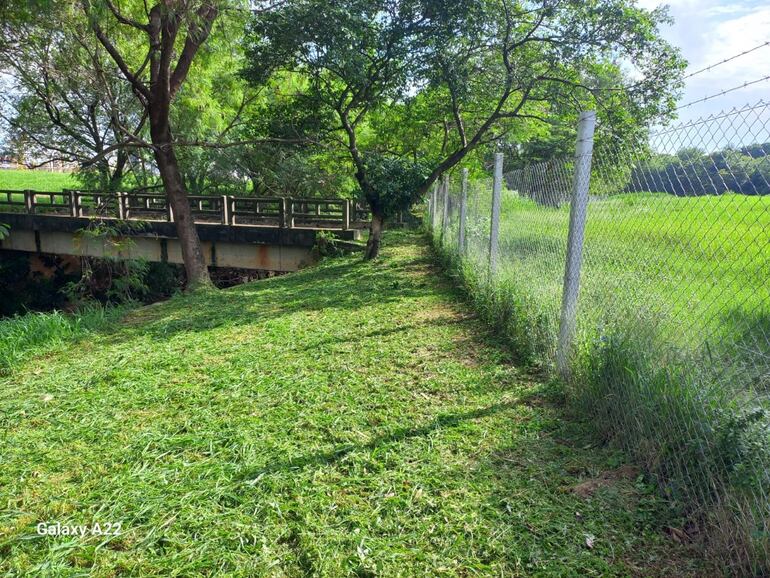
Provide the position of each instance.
(692, 172)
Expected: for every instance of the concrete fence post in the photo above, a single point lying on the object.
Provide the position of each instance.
(72, 194)
(432, 212)
(445, 207)
(346, 214)
(29, 201)
(286, 213)
(577, 222)
(121, 197)
(494, 229)
(225, 210)
(463, 211)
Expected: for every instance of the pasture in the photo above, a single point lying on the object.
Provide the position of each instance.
(693, 264)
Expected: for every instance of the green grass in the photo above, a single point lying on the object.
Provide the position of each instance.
(37, 180)
(693, 265)
(671, 355)
(33, 334)
(355, 419)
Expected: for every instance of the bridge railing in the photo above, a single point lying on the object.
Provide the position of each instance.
(278, 212)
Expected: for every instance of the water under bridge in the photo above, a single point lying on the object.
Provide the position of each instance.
(261, 233)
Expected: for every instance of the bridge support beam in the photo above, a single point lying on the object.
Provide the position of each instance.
(218, 254)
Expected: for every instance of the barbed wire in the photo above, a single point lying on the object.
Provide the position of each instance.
(726, 60)
(723, 92)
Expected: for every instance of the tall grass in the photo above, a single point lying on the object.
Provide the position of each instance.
(34, 333)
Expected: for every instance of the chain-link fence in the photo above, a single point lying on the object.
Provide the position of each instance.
(667, 343)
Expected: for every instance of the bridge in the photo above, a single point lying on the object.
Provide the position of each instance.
(262, 233)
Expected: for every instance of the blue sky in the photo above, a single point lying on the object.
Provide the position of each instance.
(708, 31)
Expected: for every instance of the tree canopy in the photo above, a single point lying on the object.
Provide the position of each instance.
(375, 98)
(414, 86)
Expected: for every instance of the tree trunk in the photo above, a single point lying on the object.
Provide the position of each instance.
(189, 242)
(375, 236)
(117, 175)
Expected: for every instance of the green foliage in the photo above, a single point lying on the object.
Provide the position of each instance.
(116, 280)
(109, 280)
(25, 336)
(433, 81)
(395, 182)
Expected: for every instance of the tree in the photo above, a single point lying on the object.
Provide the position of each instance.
(464, 73)
(167, 60)
(65, 100)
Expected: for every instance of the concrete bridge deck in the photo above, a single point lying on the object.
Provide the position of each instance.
(264, 233)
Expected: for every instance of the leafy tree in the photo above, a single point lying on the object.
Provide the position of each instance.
(64, 100)
(168, 35)
(463, 74)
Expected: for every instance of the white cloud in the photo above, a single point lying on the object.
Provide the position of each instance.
(708, 31)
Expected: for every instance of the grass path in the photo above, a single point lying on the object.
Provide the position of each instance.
(350, 420)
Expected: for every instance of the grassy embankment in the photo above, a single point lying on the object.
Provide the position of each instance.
(349, 420)
(14, 179)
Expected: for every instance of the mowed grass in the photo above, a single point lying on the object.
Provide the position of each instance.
(36, 180)
(354, 419)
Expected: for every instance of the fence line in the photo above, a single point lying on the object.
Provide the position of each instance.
(662, 330)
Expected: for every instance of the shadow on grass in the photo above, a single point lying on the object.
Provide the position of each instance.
(401, 434)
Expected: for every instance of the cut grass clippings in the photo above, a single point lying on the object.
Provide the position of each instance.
(354, 419)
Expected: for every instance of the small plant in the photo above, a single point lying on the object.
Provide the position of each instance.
(109, 280)
(22, 335)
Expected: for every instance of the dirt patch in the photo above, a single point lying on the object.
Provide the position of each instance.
(589, 487)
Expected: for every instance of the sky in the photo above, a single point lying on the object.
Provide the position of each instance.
(708, 31)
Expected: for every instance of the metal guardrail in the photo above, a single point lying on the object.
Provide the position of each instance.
(276, 212)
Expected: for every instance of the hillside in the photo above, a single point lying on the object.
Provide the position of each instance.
(351, 419)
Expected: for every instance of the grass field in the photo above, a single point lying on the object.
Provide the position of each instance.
(692, 266)
(21, 180)
(348, 420)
